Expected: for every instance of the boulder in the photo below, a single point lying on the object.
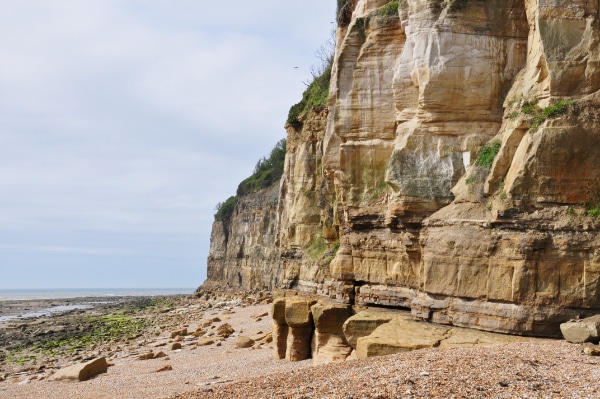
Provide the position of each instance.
(400, 335)
(329, 343)
(243, 342)
(580, 331)
(364, 323)
(225, 330)
(82, 371)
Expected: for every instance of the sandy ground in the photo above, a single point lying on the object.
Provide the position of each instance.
(544, 369)
(192, 367)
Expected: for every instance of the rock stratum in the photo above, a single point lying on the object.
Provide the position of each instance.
(453, 172)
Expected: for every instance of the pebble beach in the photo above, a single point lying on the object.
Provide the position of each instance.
(540, 369)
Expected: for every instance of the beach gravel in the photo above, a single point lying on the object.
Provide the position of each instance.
(541, 369)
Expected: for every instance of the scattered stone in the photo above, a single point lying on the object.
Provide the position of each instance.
(225, 330)
(146, 356)
(82, 371)
(424, 374)
(179, 338)
(260, 315)
(205, 341)
(243, 342)
(174, 346)
(181, 332)
(160, 354)
(168, 367)
(590, 349)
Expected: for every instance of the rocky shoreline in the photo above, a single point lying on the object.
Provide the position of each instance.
(36, 347)
(221, 346)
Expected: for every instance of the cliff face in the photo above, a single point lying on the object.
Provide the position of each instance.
(397, 174)
(243, 253)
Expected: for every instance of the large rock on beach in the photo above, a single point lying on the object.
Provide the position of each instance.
(400, 335)
(329, 343)
(82, 371)
(579, 331)
(364, 323)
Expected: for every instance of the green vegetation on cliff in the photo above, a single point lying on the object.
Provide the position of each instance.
(389, 9)
(266, 172)
(315, 95)
(317, 91)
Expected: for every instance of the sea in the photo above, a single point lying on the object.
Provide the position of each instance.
(66, 293)
(95, 295)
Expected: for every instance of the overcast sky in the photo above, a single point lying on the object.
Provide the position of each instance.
(123, 123)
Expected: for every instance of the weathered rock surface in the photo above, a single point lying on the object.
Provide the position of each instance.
(402, 333)
(389, 170)
(329, 343)
(364, 323)
(82, 371)
(580, 331)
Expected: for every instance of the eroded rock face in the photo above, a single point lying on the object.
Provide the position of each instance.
(390, 169)
(243, 252)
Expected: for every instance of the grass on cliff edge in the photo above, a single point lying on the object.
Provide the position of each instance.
(484, 162)
(266, 172)
(389, 9)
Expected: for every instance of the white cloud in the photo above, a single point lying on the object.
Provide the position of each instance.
(123, 122)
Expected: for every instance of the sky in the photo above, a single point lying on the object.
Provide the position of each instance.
(124, 122)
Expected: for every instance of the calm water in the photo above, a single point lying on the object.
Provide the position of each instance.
(20, 294)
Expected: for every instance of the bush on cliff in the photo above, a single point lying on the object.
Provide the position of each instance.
(317, 91)
(266, 172)
(225, 209)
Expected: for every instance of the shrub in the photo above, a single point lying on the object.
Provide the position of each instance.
(266, 172)
(487, 154)
(389, 9)
(225, 209)
(316, 94)
(539, 115)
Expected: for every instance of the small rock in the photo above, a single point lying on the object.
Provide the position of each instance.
(424, 374)
(181, 332)
(205, 341)
(243, 342)
(168, 367)
(225, 330)
(160, 354)
(146, 356)
(174, 346)
(590, 349)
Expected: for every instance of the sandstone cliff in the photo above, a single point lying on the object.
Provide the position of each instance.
(454, 167)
